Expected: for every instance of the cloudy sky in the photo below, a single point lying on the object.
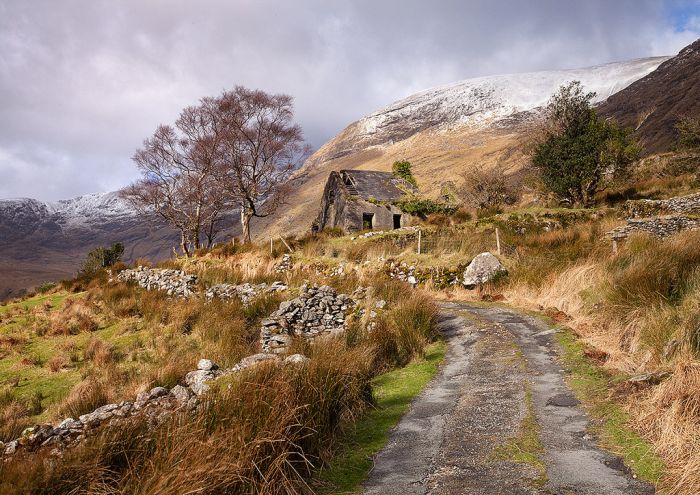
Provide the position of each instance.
(82, 83)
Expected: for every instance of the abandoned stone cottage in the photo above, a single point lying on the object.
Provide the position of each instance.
(362, 200)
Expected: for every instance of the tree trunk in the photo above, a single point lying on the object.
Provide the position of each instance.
(184, 244)
(246, 216)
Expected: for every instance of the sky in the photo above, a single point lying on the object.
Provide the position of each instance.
(83, 83)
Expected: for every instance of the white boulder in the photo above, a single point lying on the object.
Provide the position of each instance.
(483, 268)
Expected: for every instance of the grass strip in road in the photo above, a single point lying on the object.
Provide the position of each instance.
(526, 447)
(393, 392)
(592, 384)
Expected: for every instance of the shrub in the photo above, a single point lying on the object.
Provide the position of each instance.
(688, 129)
(577, 150)
(486, 189)
(423, 207)
(402, 169)
(101, 257)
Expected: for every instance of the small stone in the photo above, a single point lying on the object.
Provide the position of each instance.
(181, 394)
(296, 359)
(207, 365)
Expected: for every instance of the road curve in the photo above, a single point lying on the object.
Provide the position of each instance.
(500, 369)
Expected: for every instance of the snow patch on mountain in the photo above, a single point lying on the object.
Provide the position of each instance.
(485, 100)
(68, 213)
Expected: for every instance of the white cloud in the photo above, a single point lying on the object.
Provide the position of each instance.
(82, 83)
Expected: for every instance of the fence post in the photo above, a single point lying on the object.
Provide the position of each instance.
(270, 245)
(614, 246)
(498, 242)
(419, 238)
(285, 243)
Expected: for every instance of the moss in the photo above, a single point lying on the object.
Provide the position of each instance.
(591, 384)
(393, 392)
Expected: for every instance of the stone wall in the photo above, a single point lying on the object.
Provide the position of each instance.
(642, 208)
(175, 282)
(156, 405)
(662, 226)
(317, 311)
(245, 292)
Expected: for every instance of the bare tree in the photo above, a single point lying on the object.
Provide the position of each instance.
(262, 147)
(486, 189)
(180, 181)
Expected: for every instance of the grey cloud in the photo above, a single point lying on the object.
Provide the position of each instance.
(83, 82)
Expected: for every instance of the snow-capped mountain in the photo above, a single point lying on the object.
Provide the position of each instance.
(478, 103)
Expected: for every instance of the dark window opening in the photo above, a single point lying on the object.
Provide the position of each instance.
(367, 221)
(397, 221)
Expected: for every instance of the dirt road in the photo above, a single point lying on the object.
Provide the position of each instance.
(498, 419)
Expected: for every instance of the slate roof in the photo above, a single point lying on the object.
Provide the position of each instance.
(382, 186)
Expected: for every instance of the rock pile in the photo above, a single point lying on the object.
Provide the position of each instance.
(245, 292)
(175, 282)
(662, 226)
(484, 268)
(285, 265)
(157, 404)
(317, 311)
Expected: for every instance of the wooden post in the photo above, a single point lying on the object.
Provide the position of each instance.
(419, 239)
(285, 243)
(271, 246)
(614, 246)
(498, 242)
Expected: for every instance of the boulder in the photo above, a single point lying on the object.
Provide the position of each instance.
(483, 268)
(206, 365)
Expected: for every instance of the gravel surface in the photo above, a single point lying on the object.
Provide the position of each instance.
(448, 442)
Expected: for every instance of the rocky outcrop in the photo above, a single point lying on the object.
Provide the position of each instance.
(317, 311)
(662, 226)
(245, 292)
(175, 282)
(485, 267)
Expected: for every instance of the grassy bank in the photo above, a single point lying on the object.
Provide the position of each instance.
(393, 393)
(612, 426)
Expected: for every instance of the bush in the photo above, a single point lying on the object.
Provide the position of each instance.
(688, 129)
(423, 207)
(578, 151)
(101, 257)
(402, 169)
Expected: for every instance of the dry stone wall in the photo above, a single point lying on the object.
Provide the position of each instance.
(317, 311)
(662, 226)
(175, 282)
(245, 292)
(642, 208)
(156, 405)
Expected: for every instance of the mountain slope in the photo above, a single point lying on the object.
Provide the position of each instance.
(653, 104)
(42, 242)
(445, 132)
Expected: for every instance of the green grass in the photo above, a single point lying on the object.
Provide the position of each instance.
(526, 447)
(393, 392)
(53, 299)
(591, 384)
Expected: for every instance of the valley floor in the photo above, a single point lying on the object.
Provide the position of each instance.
(498, 419)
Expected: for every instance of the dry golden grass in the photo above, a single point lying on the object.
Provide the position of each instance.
(640, 307)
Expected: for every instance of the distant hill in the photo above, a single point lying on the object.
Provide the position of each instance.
(42, 241)
(653, 104)
(446, 131)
